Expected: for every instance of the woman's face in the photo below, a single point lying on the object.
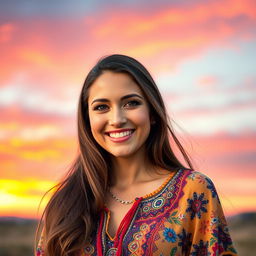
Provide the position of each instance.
(118, 114)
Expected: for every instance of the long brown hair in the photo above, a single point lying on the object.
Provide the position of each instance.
(71, 214)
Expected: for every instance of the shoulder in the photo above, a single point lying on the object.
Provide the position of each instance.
(197, 182)
(197, 177)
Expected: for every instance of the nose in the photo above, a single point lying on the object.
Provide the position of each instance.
(117, 118)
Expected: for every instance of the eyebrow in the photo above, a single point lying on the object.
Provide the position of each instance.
(122, 98)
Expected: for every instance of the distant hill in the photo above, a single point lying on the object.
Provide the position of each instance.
(17, 234)
(16, 220)
(243, 229)
(246, 218)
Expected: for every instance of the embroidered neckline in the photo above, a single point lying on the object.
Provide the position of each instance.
(170, 177)
(159, 189)
(130, 216)
(148, 196)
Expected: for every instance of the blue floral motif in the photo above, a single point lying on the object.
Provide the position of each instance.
(170, 235)
(196, 205)
(212, 188)
(201, 249)
(185, 241)
(221, 234)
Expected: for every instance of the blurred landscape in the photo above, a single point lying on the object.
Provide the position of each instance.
(17, 234)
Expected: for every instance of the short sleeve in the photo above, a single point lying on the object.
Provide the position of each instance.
(207, 223)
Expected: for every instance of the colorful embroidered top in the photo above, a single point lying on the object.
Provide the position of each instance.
(183, 217)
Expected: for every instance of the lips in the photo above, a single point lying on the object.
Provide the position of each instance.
(120, 135)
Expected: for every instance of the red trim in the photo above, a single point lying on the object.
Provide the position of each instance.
(122, 229)
(99, 234)
(125, 225)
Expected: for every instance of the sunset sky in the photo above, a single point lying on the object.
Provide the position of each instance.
(201, 53)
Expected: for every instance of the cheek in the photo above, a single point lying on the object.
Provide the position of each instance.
(97, 123)
(142, 118)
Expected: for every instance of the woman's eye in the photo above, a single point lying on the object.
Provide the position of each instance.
(100, 107)
(132, 103)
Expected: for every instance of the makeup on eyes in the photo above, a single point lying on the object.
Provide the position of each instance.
(122, 98)
(131, 103)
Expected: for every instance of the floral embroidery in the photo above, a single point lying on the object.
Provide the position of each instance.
(217, 249)
(186, 241)
(89, 249)
(201, 179)
(172, 222)
(173, 251)
(211, 187)
(173, 219)
(201, 249)
(222, 237)
(111, 252)
(214, 221)
(182, 216)
(170, 235)
(196, 205)
(39, 249)
(192, 176)
(39, 252)
(204, 227)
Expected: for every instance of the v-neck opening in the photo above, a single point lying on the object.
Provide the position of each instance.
(119, 226)
(107, 227)
(171, 176)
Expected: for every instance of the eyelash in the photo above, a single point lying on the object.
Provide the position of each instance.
(129, 104)
(133, 103)
(99, 107)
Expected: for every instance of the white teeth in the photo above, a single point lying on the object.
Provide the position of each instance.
(119, 134)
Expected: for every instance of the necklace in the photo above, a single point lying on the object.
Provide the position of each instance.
(120, 200)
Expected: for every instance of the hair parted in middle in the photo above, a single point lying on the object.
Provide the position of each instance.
(158, 147)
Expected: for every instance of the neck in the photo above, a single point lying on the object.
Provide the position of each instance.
(128, 171)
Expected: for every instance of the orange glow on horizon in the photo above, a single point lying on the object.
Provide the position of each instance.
(22, 198)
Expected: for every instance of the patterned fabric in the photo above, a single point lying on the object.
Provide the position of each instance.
(184, 217)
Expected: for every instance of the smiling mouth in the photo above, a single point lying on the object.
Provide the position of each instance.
(120, 134)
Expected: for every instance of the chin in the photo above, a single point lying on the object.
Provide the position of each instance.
(121, 154)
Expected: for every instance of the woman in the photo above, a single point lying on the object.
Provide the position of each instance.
(127, 193)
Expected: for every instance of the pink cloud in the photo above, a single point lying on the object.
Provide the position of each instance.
(65, 49)
(208, 81)
(226, 152)
(216, 98)
(137, 24)
(15, 114)
(39, 159)
(6, 32)
(215, 111)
